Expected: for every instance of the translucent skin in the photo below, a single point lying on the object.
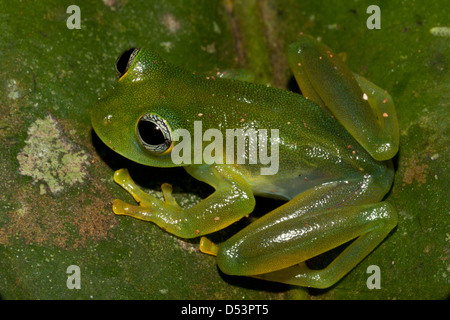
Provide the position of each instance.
(333, 169)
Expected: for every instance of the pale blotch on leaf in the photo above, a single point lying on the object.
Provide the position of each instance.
(50, 157)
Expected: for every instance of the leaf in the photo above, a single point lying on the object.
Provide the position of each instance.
(55, 203)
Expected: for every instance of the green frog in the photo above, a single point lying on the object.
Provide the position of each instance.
(327, 155)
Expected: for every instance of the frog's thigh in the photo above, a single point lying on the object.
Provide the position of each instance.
(326, 80)
(370, 224)
(273, 248)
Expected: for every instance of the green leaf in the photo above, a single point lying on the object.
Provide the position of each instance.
(56, 176)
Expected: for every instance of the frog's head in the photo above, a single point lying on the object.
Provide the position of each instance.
(135, 119)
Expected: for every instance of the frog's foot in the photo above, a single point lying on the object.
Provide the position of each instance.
(200, 219)
(149, 208)
(123, 178)
(208, 247)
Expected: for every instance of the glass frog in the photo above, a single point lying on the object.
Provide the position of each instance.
(334, 144)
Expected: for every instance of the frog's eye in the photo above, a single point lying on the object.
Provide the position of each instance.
(154, 134)
(125, 60)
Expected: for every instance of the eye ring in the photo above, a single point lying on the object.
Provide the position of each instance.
(125, 60)
(154, 134)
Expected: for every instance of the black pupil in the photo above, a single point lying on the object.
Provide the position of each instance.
(122, 62)
(150, 133)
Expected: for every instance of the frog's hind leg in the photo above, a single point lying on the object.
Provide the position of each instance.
(372, 224)
(276, 246)
(365, 110)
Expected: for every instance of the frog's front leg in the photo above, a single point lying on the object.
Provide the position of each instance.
(276, 246)
(231, 200)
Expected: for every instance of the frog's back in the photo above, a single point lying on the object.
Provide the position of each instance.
(314, 148)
